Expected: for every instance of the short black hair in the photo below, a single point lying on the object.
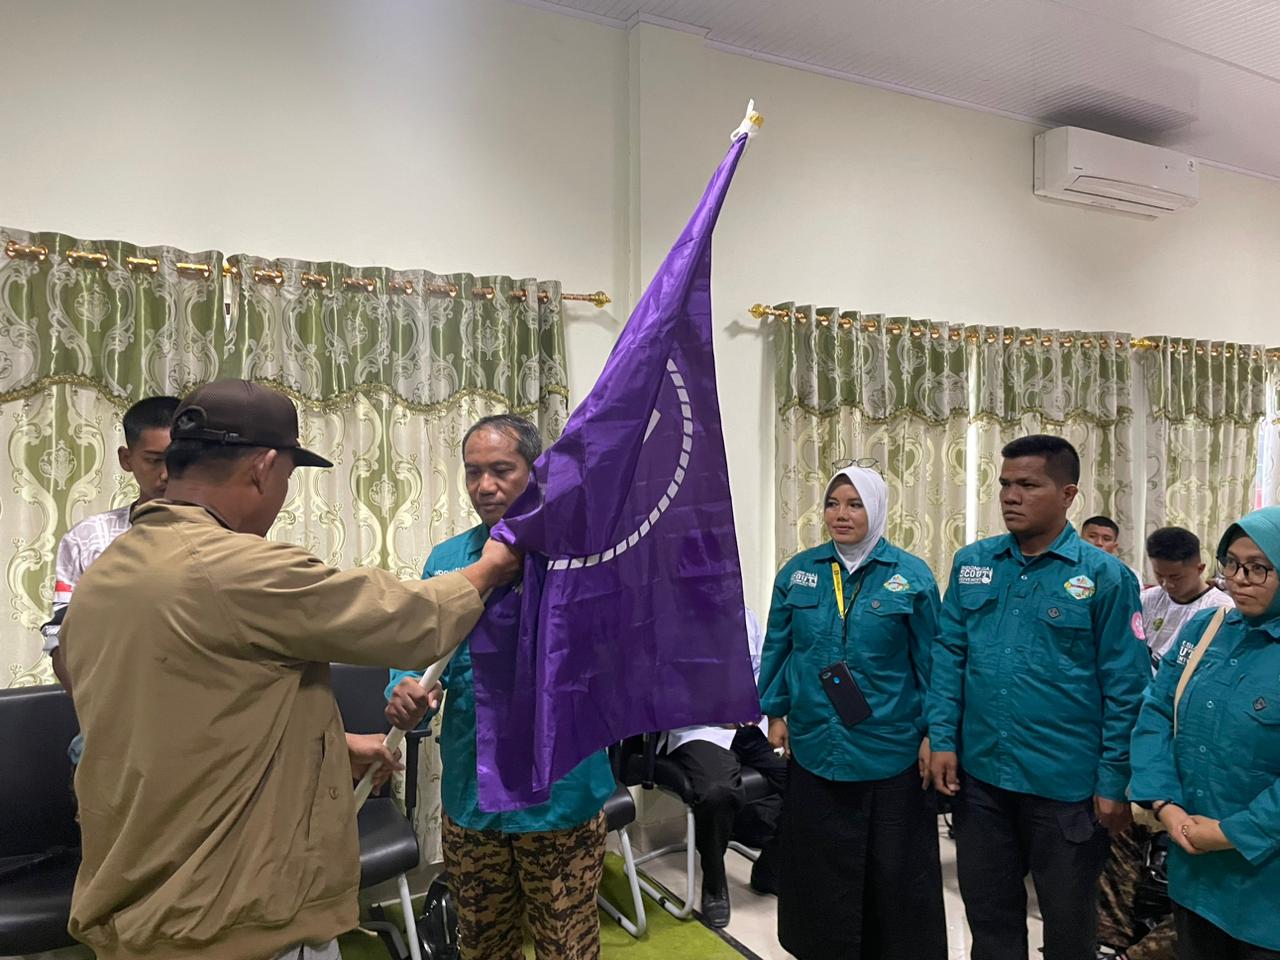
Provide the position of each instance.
(1174, 544)
(151, 413)
(184, 454)
(1101, 521)
(523, 431)
(1061, 461)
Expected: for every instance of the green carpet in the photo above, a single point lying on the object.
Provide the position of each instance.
(666, 938)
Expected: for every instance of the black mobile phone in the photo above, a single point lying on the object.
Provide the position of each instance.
(844, 693)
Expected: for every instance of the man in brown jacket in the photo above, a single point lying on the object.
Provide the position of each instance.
(215, 790)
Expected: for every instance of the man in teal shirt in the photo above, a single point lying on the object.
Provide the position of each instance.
(543, 862)
(1037, 680)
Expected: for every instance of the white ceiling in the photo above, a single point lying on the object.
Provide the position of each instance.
(1200, 76)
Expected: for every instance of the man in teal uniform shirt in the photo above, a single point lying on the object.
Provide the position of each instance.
(1037, 680)
(545, 861)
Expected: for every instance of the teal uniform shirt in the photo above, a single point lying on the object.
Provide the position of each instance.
(886, 640)
(1225, 761)
(575, 799)
(1224, 764)
(1040, 667)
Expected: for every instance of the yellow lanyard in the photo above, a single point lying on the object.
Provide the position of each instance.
(839, 584)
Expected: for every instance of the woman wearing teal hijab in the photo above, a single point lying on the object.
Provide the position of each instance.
(1214, 778)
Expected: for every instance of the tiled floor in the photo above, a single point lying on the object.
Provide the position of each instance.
(754, 922)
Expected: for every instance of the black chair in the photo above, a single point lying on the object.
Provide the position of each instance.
(39, 837)
(641, 764)
(619, 814)
(388, 845)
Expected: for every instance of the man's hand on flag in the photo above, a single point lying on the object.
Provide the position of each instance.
(498, 565)
(409, 703)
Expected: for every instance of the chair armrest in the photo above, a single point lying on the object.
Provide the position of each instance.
(412, 741)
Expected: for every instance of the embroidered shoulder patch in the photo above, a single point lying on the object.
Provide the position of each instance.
(1136, 625)
(802, 579)
(1082, 588)
(897, 584)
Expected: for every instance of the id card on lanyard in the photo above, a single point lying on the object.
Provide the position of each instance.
(842, 690)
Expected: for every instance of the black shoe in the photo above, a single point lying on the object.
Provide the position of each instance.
(715, 907)
(763, 880)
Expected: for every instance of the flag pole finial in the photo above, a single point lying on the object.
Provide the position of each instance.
(750, 125)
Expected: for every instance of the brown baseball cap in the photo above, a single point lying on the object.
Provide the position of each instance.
(243, 414)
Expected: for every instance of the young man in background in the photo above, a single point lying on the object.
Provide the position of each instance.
(1104, 533)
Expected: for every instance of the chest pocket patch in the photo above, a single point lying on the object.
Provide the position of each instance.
(890, 604)
(1062, 641)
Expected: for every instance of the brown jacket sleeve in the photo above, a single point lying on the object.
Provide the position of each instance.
(286, 603)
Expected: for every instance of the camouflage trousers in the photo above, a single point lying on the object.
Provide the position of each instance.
(1134, 917)
(550, 878)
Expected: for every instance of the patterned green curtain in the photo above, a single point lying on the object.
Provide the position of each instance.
(389, 369)
(1207, 405)
(853, 386)
(86, 328)
(1070, 383)
(1270, 453)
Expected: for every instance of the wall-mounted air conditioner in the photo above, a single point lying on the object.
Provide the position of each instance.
(1081, 166)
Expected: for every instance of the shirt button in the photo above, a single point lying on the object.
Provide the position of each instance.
(1008, 649)
(1003, 691)
(1023, 577)
(333, 793)
(1016, 612)
(1234, 661)
(1199, 793)
(1210, 704)
(1003, 734)
(875, 604)
(1202, 750)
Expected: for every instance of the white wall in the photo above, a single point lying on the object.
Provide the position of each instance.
(866, 199)
(492, 137)
(472, 135)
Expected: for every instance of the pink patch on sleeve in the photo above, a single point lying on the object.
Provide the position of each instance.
(1136, 625)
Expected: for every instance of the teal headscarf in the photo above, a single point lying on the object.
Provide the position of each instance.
(1263, 528)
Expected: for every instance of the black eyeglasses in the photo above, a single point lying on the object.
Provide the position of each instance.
(866, 463)
(1254, 573)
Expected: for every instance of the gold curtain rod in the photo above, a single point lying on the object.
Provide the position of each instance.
(897, 326)
(370, 285)
(39, 253)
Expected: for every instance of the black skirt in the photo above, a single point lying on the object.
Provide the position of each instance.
(859, 874)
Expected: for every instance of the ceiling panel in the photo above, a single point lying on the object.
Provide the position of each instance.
(1202, 76)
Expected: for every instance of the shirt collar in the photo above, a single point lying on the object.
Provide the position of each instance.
(827, 553)
(1067, 546)
(191, 511)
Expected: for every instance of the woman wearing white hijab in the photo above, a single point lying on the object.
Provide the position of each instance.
(843, 681)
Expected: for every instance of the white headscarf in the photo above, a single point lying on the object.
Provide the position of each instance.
(875, 500)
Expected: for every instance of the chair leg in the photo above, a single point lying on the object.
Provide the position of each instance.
(636, 929)
(681, 911)
(742, 848)
(410, 924)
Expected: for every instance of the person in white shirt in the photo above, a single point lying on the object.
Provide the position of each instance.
(1104, 533)
(1181, 590)
(713, 759)
(146, 438)
(1135, 917)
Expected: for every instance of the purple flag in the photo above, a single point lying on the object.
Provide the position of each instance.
(630, 615)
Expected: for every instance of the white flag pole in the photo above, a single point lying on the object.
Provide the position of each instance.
(396, 737)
